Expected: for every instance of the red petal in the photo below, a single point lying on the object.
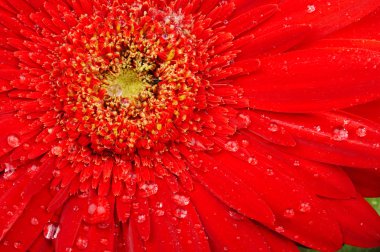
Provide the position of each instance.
(360, 224)
(226, 229)
(335, 137)
(314, 79)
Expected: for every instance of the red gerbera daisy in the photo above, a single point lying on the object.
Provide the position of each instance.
(130, 125)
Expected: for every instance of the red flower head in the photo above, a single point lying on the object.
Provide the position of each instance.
(171, 125)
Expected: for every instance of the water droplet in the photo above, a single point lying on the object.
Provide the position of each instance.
(296, 163)
(270, 172)
(9, 171)
(51, 231)
(279, 229)
(13, 141)
(33, 169)
(273, 127)
(225, 22)
(252, 160)
(17, 245)
(180, 213)
(310, 8)
(159, 204)
(141, 218)
(361, 132)
(305, 207)
(181, 200)
(289, 213)
(317, 128)
(56, 150)
(81, 243)
(104, 241)
(34, 221)
(160, 212)
(340, 134)
(92, 208)
(245, 120)
(245, 143)
(148, 189)
(232, 146)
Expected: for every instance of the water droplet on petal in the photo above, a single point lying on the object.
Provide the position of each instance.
(51, 231)
(361, 132)
(310, 8)
(9, 171)
(81, 243)
(252, 161)
(181, 200)
(160, 212)
(296, 163)
(270, 172)
(17, 245)
(279, 229)
(273, 127)
(180, 213)
(289, 213)
(148, 189)
(92, 208)
(232, 146)
(305, 207)
(141, 218)
(13, 141)
(340, 134)
(34, 221)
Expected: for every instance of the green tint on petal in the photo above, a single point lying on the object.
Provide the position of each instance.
(375, 202)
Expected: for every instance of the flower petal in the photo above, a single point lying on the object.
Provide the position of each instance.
(314, 79)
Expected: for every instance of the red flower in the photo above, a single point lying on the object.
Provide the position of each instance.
(189, 125)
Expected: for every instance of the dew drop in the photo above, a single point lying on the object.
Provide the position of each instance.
(159, 204)
(273, 127)
(361, 132)
(51, 231)
(17, 245)
(245, 143)
(141, 218)
(270, 172)
(279, 229)
(225, 22)
(92, 208)
(104, 241)
(81, 243)
(148, 189)
(310, 8)
(289, 213)
(317, 128)
(160, 212)
(252, 161)
(232, 146)
(180, 213)
(305, 207)
(181, 200)
(34, 221)
(13, 141)
(9, 172)
(340, 134)
(296, 163)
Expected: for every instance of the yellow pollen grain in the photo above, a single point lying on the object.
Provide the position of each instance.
(159, 126)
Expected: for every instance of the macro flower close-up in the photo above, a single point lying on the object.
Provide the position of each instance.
(199, 125)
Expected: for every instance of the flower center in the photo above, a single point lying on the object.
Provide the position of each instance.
(128, 79)
(125, 84)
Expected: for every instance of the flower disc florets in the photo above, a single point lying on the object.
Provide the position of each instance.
(127, 77)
